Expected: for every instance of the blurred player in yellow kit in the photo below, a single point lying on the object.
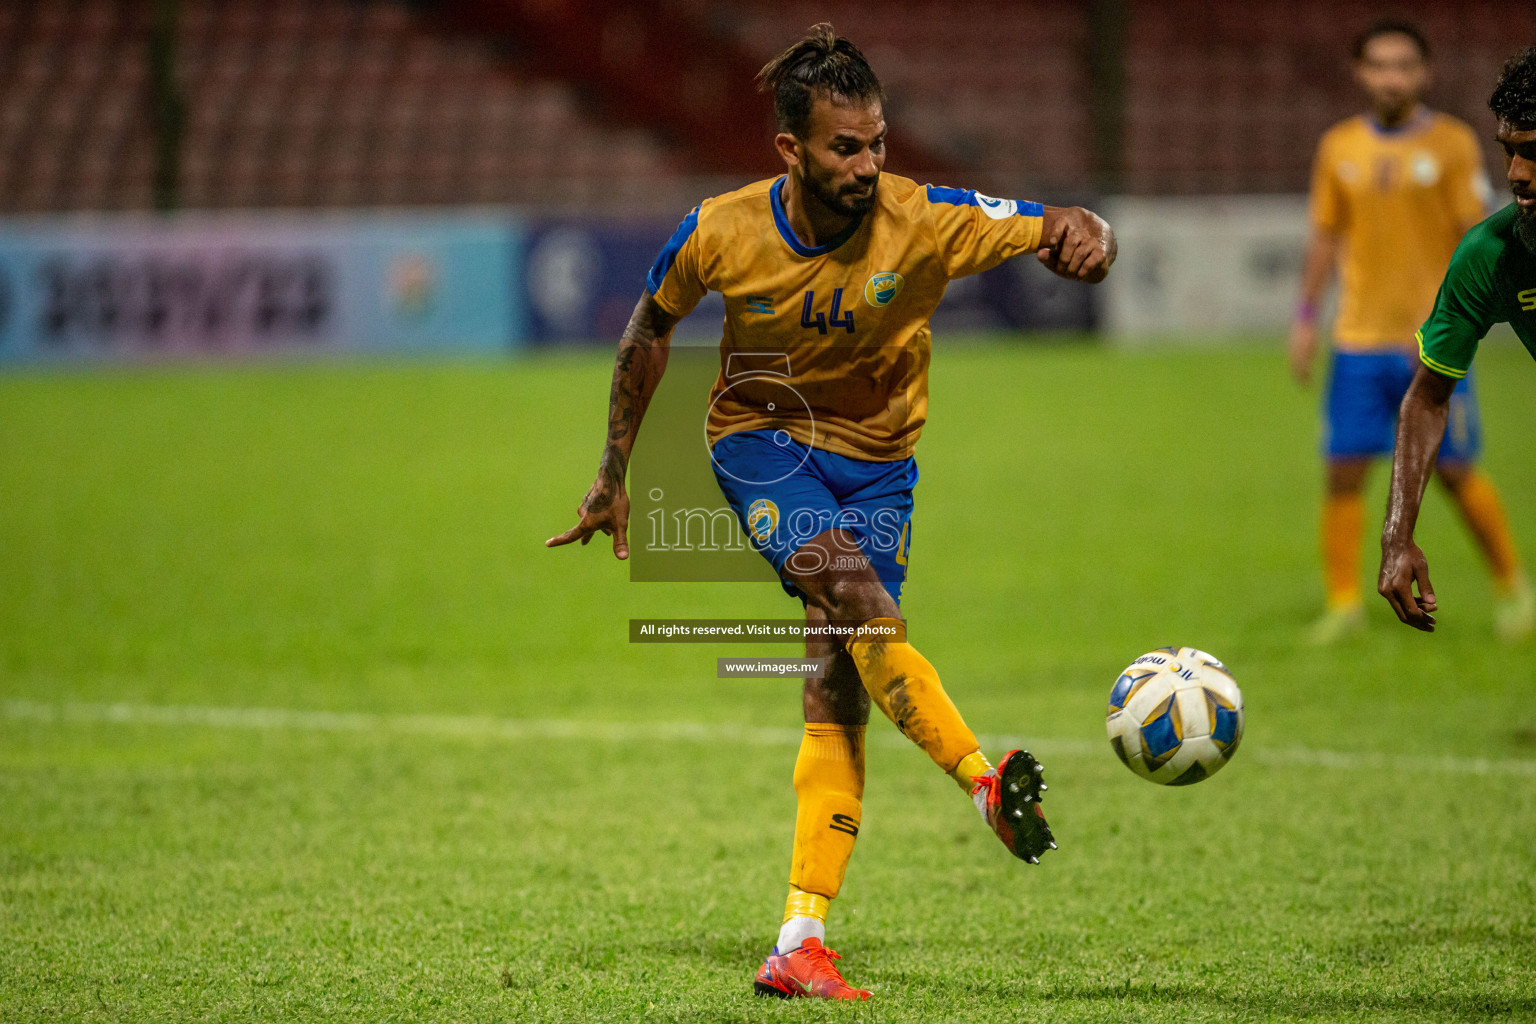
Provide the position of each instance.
(1393, 191)
(830, 273)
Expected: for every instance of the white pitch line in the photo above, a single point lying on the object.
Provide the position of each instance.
(486, 727)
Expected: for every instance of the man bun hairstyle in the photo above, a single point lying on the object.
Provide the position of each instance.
(820, 65)
(1514, 97)
(1391, 27)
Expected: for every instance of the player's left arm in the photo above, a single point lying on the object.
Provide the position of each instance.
(1076, 244)
(1448, 343)
(1420, 426)
(1469, 191)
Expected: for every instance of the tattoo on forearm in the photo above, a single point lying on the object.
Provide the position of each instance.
(625, 398)
(610, 474)
(636, 372)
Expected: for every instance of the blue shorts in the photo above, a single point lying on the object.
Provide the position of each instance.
(785, 493)
(1364, 392)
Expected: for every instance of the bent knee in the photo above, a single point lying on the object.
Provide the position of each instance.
(859, 601)
(1454, 475)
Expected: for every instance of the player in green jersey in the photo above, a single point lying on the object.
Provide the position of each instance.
(1491, 279)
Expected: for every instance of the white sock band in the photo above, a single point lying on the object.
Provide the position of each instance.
(796, 930)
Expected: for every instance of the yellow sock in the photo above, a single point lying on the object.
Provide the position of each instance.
(806, 904)
(970, 766)
(829, 786)
(906, 688)
(1484, 513)
(1343, 519)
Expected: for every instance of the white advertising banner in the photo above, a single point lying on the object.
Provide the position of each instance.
(1203, 268)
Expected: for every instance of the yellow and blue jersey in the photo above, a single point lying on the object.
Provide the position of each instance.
(1399, 200)
(830, 344)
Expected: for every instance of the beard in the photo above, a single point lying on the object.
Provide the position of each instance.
(1525, 228)
(844, 202)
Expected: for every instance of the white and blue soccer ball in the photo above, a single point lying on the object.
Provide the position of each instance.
(1175, 716)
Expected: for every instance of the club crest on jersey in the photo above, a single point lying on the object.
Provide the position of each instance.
(882, 288)
(997, 209)
(762, 518)
(1424, 168)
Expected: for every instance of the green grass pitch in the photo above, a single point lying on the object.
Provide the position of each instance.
(454, 806)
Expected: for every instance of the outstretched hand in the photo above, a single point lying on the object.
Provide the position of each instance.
(605, 509)
(1081, 246)
(1403, 566)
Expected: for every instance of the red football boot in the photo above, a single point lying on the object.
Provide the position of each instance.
(1008, 797)
(806, 972)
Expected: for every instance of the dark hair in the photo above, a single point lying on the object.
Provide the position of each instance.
(821, 64)
(1391, 27)
(1514, 97)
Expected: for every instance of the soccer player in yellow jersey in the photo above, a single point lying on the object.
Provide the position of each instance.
(1393, 191)
(830, 273)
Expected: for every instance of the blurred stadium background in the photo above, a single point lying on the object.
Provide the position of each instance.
(499, 172)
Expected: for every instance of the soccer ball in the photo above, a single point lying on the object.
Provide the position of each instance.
(1175, 716)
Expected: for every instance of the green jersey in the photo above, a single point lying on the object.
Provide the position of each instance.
(1491, 279)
